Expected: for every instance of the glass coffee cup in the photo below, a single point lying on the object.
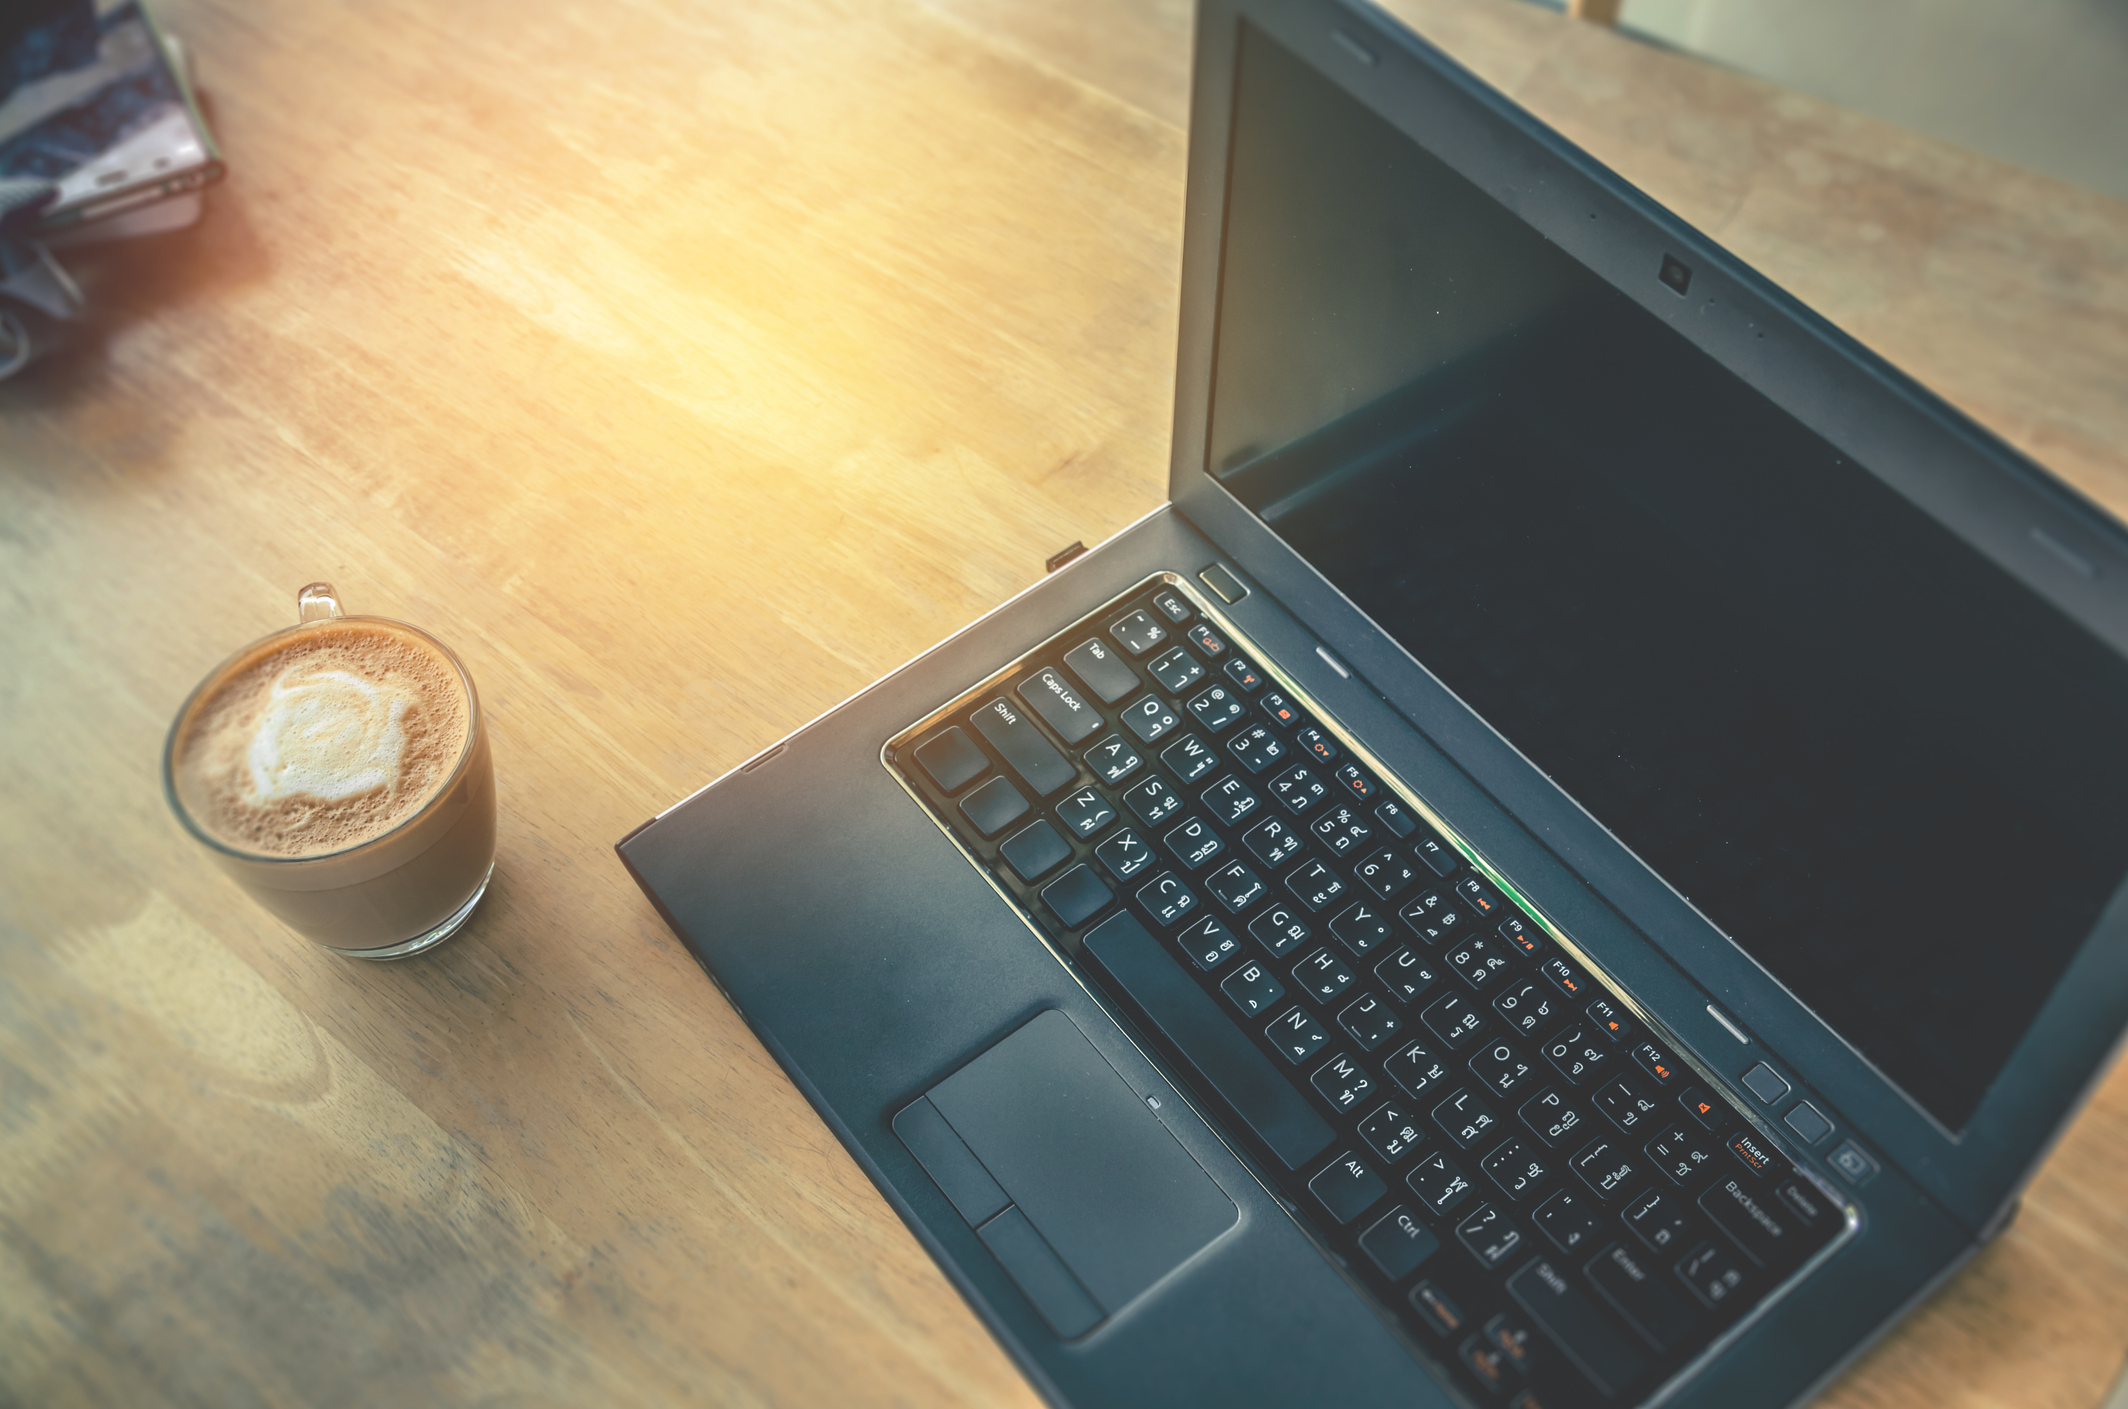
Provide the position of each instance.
(339, 772)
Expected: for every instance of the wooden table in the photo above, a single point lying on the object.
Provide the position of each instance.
(687, 366)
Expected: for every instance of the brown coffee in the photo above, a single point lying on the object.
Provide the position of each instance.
(322, 739)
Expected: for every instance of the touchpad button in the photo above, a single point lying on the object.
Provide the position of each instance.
(1078, 1152)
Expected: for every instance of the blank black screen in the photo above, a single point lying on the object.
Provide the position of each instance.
(1891, 773)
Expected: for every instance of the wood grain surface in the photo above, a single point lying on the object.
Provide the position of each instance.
(687, 365)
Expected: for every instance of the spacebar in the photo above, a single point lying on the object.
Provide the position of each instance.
(1218, 1051)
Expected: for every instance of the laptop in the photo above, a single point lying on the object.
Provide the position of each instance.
(1576, 862)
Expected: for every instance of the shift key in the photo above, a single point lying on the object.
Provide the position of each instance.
(1012, 733)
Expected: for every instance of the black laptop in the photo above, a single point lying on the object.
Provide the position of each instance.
(1576, 862)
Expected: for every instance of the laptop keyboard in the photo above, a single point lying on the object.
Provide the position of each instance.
(1551, 1205)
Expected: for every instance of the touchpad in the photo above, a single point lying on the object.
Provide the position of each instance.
(1082, 1157)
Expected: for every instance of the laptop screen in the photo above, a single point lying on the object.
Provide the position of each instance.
(1888, 771)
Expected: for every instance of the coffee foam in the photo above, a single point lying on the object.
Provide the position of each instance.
(322, 740)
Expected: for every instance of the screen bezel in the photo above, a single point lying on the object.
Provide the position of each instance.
(1986, 493)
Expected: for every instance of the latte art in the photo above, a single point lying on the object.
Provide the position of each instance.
(329, 735)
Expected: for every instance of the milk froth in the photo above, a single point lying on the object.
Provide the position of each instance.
(322, 740)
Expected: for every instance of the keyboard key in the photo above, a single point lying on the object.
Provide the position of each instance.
(1464, 1118)
(1680, 1154)
(1272, 842)
(1209, 943)
(1124, 854)
(1609, 1019)
(1437, 1309)
(1348, 1188)
(1085, 812)
(1076, 896)
(1167, 898)
(1433, 917)
(1406, 975)
(1206, 640)
(1399, 822)
(1512, 1339)
(1606, 1168)
(1113, 758)
(1416, 1069)
(1489, 1363)
(1659, 1314)
(1172, 607)
(1452, 1019)
(1370, 1022)
(1631, 1109)
(1221, 1054)
(1176, 670)
(1278, 930)
(1526, 1006)
(1236, 885)
(1516, 1169)
(1101, 670)
(1477, 959)
(1656, 1062)
(1059, 705)
(1194, 843)
(1356, 783)
(1282, 710)
(994, 806)
(1502, 1070)
(1138, 633)
(1490, 1235)
(1568, 1219)
(1386, 872)
(1343, 1083)
(1153, 801)
(1361, 928)
(1245, 677)
(1299, 788)
(1437, 1183)
(1556, 1120)
(1703, 1108)
(1315, 885)
(1765, 1083)
(1149, 719)
(1854, 1166)
(1519, 937)
(1190, 757)
(1341, 829)
(1711, 1274)
(1809, 1126)
(1758, 1224)
(1565, 977)
(1392, 1132)
(1296, 1035)
(1398, 1244)
(1316, 744)
(1229, 800)
(1806, 1203)
(1754, 1154)
(1580, 1056)
(1322, 975)
(1014, 735)
(1215, 708)
(1256, 748)
(1482, 902)
(1658, 1220)
(1252, 988)
(1569, 1316)
(1033, 851)
(1438, 858)
(952, 759)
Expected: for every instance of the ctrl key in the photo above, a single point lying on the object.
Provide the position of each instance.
(1398, 1243)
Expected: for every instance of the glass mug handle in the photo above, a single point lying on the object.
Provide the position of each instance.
(317, 602)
